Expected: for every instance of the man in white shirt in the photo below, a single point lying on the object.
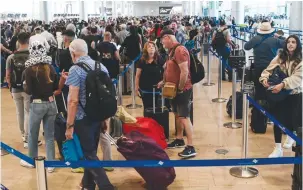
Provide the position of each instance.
(48, 36)
(39, 37)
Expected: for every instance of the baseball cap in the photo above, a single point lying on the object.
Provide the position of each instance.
(166, 32)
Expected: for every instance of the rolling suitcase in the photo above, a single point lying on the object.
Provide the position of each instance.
(60, 126)
(258, 120)
(135, 146)
(159, 114)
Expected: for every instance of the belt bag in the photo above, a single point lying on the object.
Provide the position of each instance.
(169, 90)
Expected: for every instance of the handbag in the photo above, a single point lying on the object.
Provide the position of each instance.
(72, 150)
(169, 90)
(276, 78)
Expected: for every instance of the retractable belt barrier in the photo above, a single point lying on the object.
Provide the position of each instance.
(115, 81)
(158, 163)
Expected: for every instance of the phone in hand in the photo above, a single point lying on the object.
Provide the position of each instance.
(271, 88)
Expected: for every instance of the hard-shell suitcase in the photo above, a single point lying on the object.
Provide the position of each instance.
(159, 114)
(60, 125)
(136, 146)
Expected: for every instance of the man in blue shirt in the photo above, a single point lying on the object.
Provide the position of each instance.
(87, 131)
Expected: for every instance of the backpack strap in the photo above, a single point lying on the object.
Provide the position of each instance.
(97, 66)
(84, 66)
(174, 50)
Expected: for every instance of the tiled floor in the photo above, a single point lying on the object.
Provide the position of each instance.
(209, 135)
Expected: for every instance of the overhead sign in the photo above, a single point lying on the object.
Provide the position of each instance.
(165, 10)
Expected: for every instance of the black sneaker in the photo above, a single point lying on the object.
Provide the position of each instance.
(188, 152)
(177, 143)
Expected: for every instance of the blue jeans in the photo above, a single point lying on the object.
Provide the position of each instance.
(224, 53)
(89, 134)
(46, 112)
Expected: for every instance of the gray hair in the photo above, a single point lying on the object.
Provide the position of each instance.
(78, 46)
(123, 26)
(71, 26)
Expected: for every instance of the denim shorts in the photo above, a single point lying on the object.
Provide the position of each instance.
(181, 103)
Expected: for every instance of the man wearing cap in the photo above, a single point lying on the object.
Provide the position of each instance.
(39, 37)
(177, 72)
(265, 47)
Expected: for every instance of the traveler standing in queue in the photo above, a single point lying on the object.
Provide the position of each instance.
(40, 83)
(15, 65)
(149, 73)
(177, 72)
(77, 121)
(289, 110)
(265, 47)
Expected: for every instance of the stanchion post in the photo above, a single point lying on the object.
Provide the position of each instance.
(244, 171)
(120, 89)
(233, 124)
(208, 83)
(41, 173)
(219, 99)
(133, 105)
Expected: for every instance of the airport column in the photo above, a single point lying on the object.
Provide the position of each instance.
(237, 11)
(44, 8)
(83, 11)
(295, 18)
(213, 11)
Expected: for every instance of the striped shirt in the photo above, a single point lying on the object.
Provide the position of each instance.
(76, 77)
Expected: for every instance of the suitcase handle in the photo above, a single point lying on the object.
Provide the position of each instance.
(63, 102)
(110, 138)
(154, 99)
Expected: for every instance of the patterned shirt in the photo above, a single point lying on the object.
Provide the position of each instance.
(76, 77)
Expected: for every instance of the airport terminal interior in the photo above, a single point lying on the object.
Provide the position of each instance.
(251, 27)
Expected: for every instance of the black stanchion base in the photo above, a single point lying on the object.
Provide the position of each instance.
(135, 106)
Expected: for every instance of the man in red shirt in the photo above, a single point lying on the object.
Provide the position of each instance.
(177, 72)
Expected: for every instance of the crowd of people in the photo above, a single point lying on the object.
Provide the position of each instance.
(39, 63)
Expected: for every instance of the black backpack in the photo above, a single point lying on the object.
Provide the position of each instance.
(101, 102)
(17, 69)
(219, 41)
(197, 71)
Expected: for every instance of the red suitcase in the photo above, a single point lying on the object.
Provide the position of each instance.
(136, 146)
(148, 127)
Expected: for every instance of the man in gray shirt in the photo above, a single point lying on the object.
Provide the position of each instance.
(122, 34)
(265, 47)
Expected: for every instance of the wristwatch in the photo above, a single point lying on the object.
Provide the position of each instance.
(70, 126)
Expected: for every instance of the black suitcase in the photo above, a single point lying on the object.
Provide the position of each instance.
(258, 120)
(159, 114)
(239, 100)
(60, 125)
(297, 173)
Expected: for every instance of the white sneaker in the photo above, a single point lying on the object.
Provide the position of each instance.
(50, 170)
(25, 144)
(25, 164)
(278, 152)
(288, 142)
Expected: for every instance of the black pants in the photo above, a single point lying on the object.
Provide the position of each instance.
(260, 91)
(89, 133)
(288, 112)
